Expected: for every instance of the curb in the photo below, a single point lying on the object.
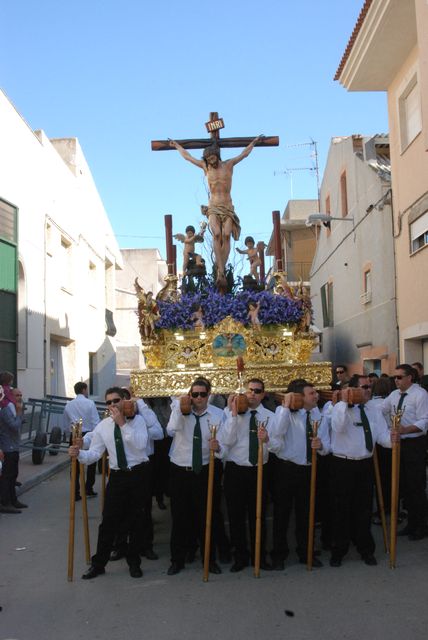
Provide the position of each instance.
(39, 477)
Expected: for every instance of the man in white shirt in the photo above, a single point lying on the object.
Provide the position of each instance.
(240, 438)
(81, 407)
(189, 455)
(292, 442)
(355, 430)
(125, 441)
(413, 401)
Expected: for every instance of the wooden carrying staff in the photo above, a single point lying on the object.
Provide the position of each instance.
(208, 523)
(395, 487)
(85, 513)
(76, 431)
(311, 529)
(259, 500)
(380, 500)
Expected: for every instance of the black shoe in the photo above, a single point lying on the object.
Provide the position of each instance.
(278, 565)
(18, 484)
(151, 555)
(190, 557)
(370, 560)
(91, 493)
(418, 534)
(225, 556)
(161, 505)
(266, 566)
(174, 569)
(78, 497)
(20, 505)
(117, 554)
(315, 562)
(93, 572)
(335, 561)
(214, 568)
(135, 572)
(238, 566)
(8, 508)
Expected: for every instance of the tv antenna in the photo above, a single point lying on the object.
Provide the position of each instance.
(315, 167)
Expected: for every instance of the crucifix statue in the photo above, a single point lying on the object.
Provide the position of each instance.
(222, 219)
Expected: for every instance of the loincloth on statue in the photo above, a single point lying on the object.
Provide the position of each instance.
(223, 214)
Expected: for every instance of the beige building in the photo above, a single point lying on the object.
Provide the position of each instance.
(148, 266)
(388, 51)
(297, 240)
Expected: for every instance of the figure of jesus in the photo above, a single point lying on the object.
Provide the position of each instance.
(222, 219)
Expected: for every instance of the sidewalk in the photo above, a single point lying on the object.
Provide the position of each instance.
(32, 474)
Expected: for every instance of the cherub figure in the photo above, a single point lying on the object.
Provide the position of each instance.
(197, 317)
(148, 312)
(189, 240)
(253, 255)
(253, 314)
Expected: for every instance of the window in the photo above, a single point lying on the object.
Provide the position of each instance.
(8, 222)
(66, 264)
(409, 109)
(327, 304)
(344, 194)
(328, 212)
(419, 233)
(366, 296)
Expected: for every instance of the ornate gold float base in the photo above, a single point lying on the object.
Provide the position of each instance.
(164, 382)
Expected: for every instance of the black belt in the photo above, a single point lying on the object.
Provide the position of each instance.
(137, 467)
(185, 468)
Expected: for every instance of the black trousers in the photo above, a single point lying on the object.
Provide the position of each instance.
(240, 490)
(188, 496)
(292, 489)
(413, 480)
(352, 501)
(8, 477)
(124, 500)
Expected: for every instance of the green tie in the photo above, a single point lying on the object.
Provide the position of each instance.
(401, 400)
(309, 435)
(366, 426)
(254, 441)
(197, 446)
(122, 462)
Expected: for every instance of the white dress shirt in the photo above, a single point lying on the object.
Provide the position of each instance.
(81, 407)
(289, 439)
(181, 428)
(134, 437)
(235, 437)
(154, 427)
(347, 436)
(415, 405)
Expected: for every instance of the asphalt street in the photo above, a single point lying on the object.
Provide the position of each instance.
(38, 603)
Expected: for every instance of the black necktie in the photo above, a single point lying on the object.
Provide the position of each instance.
(308, 437)
(254, 441)
(122, 462)
(197, 446)
(366, 427)
(401, 400)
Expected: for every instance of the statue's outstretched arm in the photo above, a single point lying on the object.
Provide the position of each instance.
(185, 154)
(246, 152)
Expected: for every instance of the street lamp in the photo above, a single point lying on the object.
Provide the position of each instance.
(315, 218)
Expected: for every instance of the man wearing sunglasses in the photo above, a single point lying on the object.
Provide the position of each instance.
(189, 455)
(240, 438)
(292, 442)
(413, 401)
(355, 430)
(125, 440)
(341, 377)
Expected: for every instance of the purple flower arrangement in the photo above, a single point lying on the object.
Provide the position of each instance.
(274, 309)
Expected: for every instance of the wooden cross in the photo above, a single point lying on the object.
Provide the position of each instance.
(213, 127)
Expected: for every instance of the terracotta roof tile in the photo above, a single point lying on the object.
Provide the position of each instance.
(353, 37)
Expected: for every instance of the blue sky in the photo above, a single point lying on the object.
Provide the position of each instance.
(119, 74)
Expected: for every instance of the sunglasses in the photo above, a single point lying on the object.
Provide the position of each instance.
(196, 394)
(399, 377)
(365, 386)
(340, 371)
(256, 391)
(114, 401)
